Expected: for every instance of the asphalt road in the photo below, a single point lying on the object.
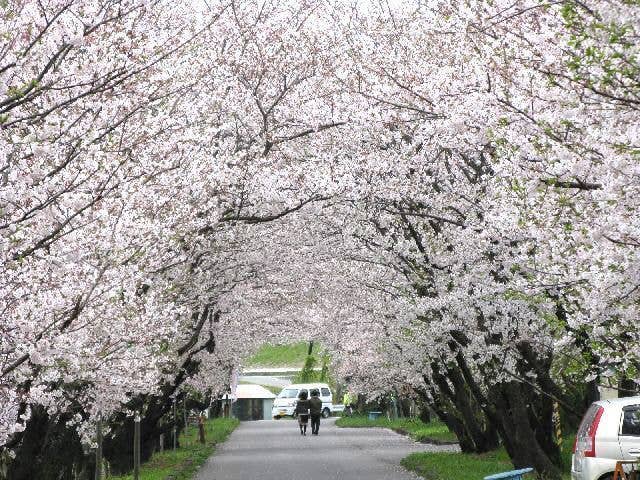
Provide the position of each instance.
(275, 450)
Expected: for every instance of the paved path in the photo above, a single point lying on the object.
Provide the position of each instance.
(275, 450)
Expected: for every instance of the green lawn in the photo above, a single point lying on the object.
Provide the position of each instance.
(464, 466)
(292, 355)
(436, 432)
(185, 461)
(457, 466)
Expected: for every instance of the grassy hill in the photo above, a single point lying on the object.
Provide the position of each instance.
(289, 355)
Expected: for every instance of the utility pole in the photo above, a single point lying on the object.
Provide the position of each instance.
(98, 475)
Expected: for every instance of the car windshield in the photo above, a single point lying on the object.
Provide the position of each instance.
(288, 393)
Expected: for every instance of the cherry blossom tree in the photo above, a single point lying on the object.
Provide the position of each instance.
(444, 193)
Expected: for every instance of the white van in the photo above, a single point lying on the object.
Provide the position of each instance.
(609, 431)
(285, 403)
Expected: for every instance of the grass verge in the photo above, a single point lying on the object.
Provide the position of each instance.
(433, 432)
(464, 466)
(185, 461)
(452, 466)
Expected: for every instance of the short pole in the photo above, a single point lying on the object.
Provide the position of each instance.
(136, 448)
(175, 430)
(161, 442)
(98, 475)
(186, 425)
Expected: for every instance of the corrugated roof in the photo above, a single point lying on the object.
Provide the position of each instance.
(253, 391)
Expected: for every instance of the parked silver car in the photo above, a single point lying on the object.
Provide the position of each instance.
(609, 431)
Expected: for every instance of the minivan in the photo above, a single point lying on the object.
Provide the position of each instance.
(609, 431)
(285, 403)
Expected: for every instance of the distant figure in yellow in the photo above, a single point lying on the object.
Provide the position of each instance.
(347, 401)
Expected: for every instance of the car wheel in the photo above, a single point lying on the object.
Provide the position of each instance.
(326, 412)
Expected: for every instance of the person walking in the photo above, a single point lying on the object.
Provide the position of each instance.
(315, 409)
(302, 411)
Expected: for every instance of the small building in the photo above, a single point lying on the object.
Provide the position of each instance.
(252, 402)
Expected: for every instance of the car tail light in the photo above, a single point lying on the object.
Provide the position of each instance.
(593, 428)
(585, 443)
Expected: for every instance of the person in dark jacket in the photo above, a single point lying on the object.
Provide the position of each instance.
(302, 411)
(315, 409)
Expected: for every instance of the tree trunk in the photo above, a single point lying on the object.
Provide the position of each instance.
(156, 418)
(472, 427)
(425, 413)
(456, 426)
(49, 450)
(512, 402)
(482, 433)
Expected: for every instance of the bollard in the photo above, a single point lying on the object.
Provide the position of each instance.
(98, 475)
(184, 413)
(175, 431)
(136, 448)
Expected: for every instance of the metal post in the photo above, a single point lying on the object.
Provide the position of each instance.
(98, 475)
(136, 448)
(224, 405)
(186, 425)
(175, 431)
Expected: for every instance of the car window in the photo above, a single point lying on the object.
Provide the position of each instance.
(631, 421)
(288, 393)
(325, 392)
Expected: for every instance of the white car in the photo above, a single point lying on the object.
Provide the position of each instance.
(285, 403)
(609, 431)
